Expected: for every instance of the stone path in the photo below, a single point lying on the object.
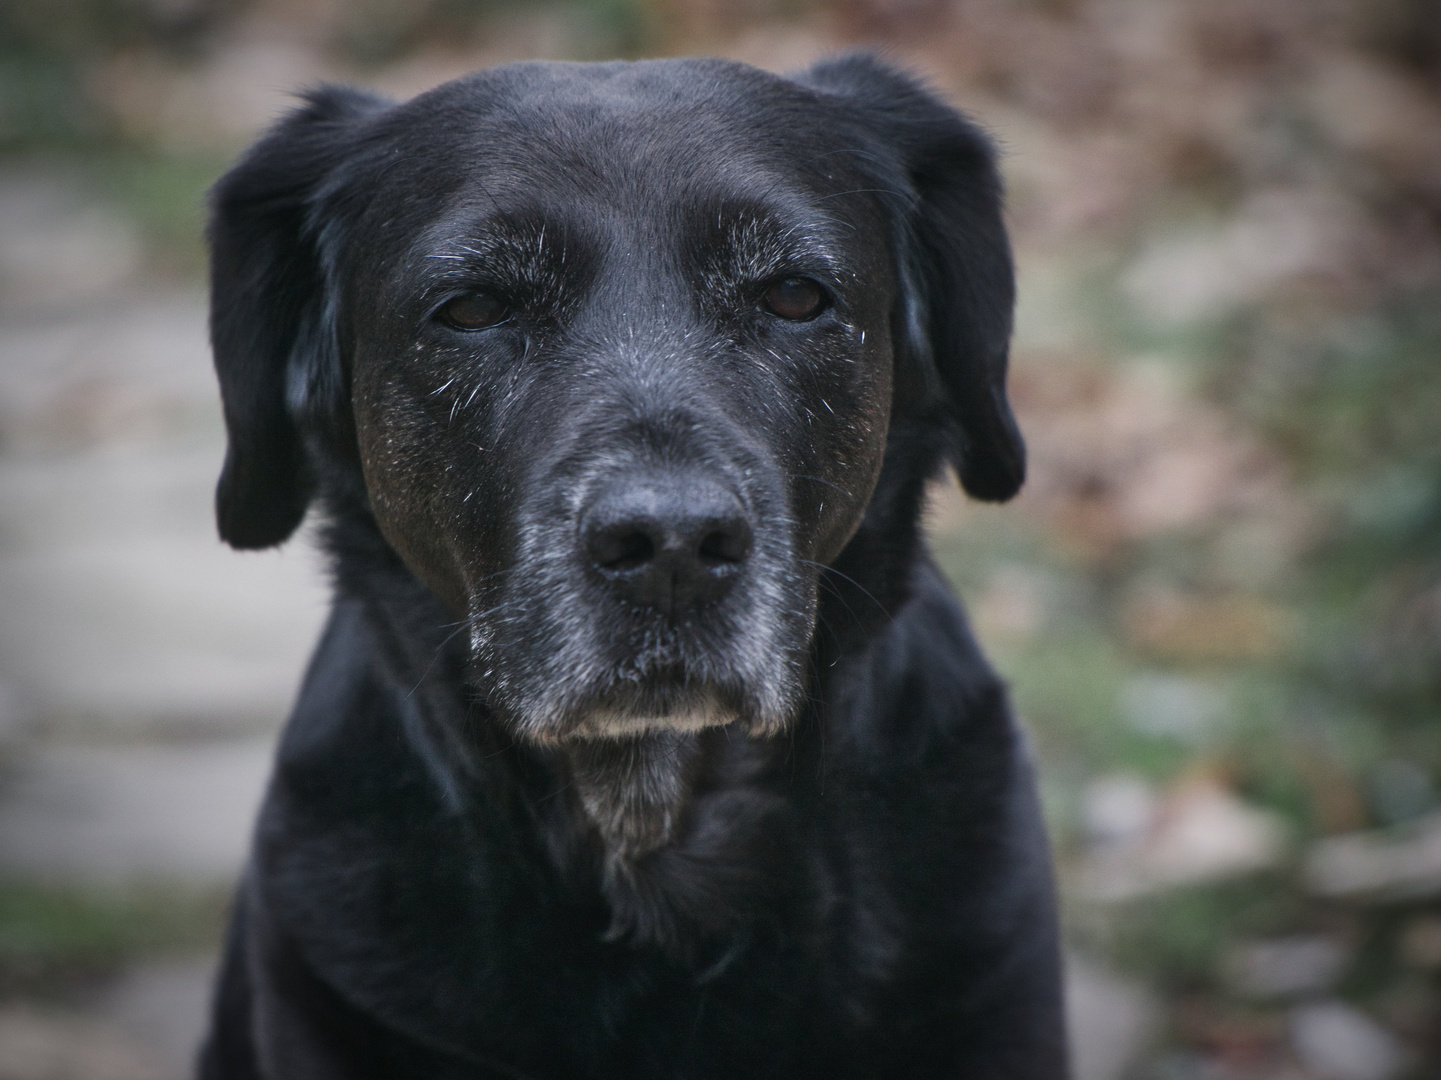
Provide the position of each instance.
(144, 667)
(120, 610)
(104, 814)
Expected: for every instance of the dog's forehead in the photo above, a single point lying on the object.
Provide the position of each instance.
(658, 130)
(685, 161)
(652, 103)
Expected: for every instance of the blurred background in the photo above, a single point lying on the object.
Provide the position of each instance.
(1218, 598)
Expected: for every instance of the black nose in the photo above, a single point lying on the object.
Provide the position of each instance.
(670, 541)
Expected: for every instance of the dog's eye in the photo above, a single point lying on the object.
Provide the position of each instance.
(474, 311)
(795, 298)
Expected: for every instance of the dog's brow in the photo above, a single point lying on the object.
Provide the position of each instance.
(758, 246)
(525, 251)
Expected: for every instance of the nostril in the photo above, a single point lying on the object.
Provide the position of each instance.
(726, 546)
(621, 549)
(666, 541)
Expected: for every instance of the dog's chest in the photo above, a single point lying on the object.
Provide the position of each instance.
(467, 928)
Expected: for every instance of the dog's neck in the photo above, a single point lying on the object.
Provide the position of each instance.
(634, 790)
(693, 839)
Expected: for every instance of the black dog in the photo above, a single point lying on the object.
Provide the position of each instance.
(645, 740)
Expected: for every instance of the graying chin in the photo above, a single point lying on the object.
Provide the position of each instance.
(634, 790)
(633, 772)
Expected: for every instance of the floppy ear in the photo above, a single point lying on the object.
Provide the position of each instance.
(954, 259)
(275, 352)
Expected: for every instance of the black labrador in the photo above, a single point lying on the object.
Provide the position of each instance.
(645, 739)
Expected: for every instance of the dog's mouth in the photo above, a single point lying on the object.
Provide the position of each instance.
(587, 688)
(610, 723)
(629, 709)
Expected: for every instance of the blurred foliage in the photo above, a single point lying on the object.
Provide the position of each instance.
(47, 46)
(376, 31)
(163, 194)
(1179, 938)
(52, 937)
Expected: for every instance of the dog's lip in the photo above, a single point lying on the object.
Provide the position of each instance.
(615, 724)
(626, 711)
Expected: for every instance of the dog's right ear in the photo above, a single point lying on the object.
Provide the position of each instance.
(938, 171)
(270, 328)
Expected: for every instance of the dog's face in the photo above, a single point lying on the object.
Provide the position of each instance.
(616, 349)
(621, 382)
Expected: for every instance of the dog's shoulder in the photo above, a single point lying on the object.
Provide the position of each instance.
(923, 684)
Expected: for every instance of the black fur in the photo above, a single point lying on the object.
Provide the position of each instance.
(770, 814)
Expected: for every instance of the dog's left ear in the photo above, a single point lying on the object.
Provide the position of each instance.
(953, 254)
(270, 326)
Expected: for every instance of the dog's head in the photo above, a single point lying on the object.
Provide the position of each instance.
(618, 350)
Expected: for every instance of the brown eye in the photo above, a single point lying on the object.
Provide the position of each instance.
(795, 298)
(475, 311)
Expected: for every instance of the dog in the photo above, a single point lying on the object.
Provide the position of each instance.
(645, 739)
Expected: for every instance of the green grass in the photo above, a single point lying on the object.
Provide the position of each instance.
(164, 195)
(1178, 939)
(52, 937)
